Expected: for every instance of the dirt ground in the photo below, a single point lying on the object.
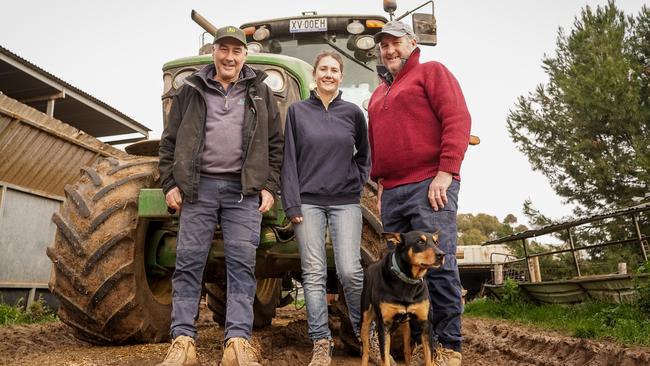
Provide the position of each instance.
(285, 343)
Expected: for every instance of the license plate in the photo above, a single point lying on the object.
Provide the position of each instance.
(308, 25)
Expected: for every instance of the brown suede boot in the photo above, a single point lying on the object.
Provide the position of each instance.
(240, 352)
(322, 353)
(182, 352)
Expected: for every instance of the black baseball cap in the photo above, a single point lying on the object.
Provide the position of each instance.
(394, 28)
(230, 32)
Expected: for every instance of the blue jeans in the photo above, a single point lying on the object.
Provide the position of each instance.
(406, 208)
(240, 226)
(345, 228)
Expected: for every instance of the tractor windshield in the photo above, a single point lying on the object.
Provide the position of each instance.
(359, 77)
(306, 36)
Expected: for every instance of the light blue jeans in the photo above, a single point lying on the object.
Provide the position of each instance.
(345, 229)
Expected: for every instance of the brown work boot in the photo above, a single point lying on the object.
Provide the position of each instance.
(446, 357)
(375, 353)
(322, 353)
(181, 353)
(240, 352)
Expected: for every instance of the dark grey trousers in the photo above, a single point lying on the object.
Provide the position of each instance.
(406, 208)
(240, 225)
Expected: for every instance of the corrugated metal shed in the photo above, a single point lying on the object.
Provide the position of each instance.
(39, 156)
(40, 153)
(31, 85)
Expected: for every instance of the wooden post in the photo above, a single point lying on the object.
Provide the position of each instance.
(498, 274)
(573, 252)
(30, 298)
(530, 275)
(639, 236)
(622, 268)
(533, 269)
(49, 110)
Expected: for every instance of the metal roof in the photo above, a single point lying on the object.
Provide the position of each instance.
(31, 85)
(567, 224)
(40, 154)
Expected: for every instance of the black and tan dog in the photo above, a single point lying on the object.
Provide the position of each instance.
(395, 293)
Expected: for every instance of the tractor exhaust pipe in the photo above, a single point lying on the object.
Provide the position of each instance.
(203, 23)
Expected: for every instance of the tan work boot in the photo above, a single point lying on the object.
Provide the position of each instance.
(375, 353)
(181, 353)
(322, 353)
(239, 352)
(446, 357)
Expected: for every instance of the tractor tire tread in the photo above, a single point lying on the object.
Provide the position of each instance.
(98, 273)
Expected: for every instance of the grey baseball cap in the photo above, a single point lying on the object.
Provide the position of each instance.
(394, 28)
(230, 32)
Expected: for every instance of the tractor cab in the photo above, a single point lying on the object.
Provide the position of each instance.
(305, 36)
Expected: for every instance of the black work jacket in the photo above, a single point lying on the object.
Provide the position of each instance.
(183, 139)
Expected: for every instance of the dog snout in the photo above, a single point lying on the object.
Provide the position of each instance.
(440, 256)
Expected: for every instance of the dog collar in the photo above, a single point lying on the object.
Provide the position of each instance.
(395, 269)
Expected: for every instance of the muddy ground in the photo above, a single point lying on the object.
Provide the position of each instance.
(285, 343)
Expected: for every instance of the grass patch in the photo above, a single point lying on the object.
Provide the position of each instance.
(38, 312)
(298, 304)
(624, 323)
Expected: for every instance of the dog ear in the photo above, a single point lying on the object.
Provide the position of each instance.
(394, 238)
(436, 236)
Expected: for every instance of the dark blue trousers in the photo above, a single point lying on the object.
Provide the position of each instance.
(240, 226)
(406, 208)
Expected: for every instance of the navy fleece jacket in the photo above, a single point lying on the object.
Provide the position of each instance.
(321, 166)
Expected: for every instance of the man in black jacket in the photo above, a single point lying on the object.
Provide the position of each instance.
(220, 159)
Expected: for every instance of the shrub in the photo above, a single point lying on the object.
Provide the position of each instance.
(38, 312)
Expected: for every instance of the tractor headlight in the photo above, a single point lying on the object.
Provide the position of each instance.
(261, 34)
(167, 82)
(254, 47)
(365, 43)
(275, 80)
(355, 27)
(180, 76)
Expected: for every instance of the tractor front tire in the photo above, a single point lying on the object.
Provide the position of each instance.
(99, 272)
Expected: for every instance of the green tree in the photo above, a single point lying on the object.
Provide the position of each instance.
(479, 228)
(588, 128)
(510, 219)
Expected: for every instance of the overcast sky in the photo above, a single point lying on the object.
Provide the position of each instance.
(114, 50)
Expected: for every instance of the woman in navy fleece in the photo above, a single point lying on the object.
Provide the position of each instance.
(326, 163)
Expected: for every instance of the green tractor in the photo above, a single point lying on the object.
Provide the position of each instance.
(114, 251)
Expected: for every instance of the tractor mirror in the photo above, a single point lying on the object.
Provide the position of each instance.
(390, 6)
(424, 26)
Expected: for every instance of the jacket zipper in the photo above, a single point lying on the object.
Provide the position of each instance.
(326, 109)
(386, 95)
(195, 156)
(226, 106)
(251, 131)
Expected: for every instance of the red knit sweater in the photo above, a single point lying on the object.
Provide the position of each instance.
(418, 125)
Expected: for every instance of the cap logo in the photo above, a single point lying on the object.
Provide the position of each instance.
(231, 30)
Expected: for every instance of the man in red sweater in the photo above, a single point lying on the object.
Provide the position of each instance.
(419, 131)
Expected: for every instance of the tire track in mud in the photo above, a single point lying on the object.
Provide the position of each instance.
(500, 343)
(285, 343)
